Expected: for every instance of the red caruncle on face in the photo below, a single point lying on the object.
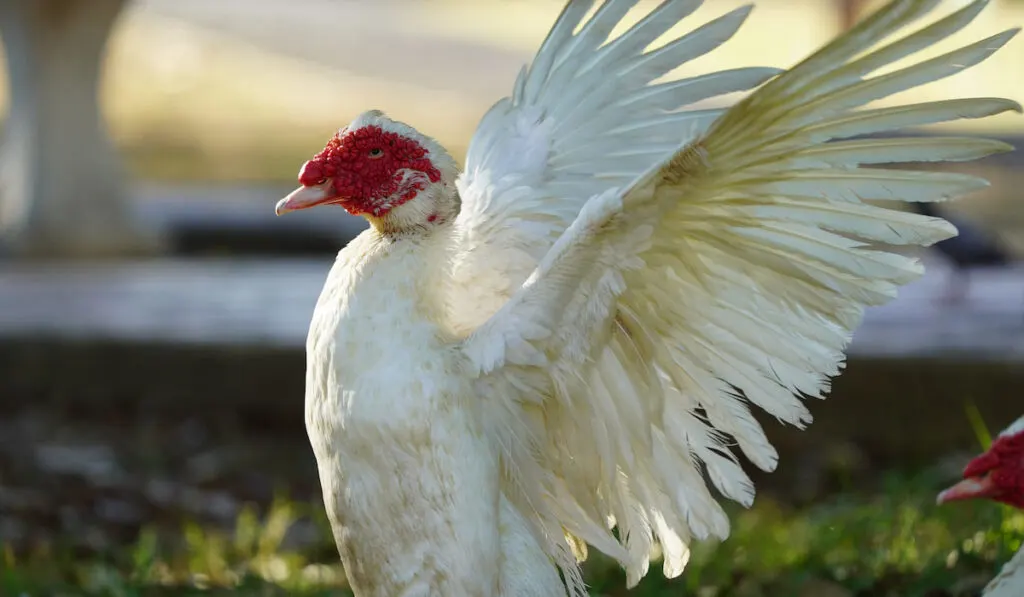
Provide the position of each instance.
(1004, 464)
(370, 169)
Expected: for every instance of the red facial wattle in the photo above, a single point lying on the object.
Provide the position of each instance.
(998, 474)
(368, 170)
(312, 174)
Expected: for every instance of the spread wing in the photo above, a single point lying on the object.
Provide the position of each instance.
(727, 276)
(583, 118)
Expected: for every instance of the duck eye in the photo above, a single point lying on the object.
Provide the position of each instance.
(321, 181)
(376, 152)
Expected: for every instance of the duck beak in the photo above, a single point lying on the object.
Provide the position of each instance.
(304, 197)
(968, 489)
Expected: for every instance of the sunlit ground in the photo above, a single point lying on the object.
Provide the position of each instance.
(896, 542)
(115, 504)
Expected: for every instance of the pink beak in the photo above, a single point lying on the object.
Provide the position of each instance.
(968, 489)
(304, 197)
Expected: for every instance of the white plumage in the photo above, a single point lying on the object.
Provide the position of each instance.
(569, 334)
(1010, 580)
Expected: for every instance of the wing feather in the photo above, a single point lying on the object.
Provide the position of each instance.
(884, 151)
(865, 122)
(538, 155)
(676, 94)
(668, 271)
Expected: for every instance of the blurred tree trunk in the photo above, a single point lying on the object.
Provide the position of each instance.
(62, 190)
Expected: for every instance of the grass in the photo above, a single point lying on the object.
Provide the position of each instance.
(894, 541)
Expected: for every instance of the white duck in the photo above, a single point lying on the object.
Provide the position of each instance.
(568, 335)
(998, 475)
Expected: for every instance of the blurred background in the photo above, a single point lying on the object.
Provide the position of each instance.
(153, 310)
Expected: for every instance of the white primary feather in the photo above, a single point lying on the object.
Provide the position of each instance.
(631, 277)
